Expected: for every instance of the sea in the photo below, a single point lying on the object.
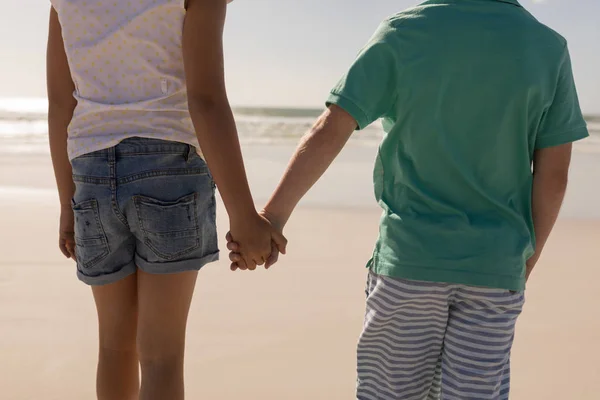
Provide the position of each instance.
(23, 127)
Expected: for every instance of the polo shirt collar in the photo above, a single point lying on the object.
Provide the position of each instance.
(515, 2)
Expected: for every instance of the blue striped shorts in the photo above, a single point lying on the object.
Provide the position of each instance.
(426, 340)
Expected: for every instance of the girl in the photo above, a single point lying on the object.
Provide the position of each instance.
(137, 103)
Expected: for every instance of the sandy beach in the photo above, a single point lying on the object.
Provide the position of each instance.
(288, 333)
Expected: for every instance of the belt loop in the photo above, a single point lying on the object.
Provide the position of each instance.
(190, 152)
(112, 158)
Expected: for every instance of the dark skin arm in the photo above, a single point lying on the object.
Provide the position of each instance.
(216, 130)
(550, 177)
(61, 105)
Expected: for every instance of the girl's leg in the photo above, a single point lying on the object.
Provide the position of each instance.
(163, 304)
(118, 367)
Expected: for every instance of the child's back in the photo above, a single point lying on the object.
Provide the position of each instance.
(126, 79)
(126, 62)
(473, 94)
(465, 89)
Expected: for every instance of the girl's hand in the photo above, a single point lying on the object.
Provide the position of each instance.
(66, 232)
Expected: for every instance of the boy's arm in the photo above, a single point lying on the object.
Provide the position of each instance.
(61, 105)
(314, 155)
(550, 176)
(364, 94)
(562, 124)
(312, 158)
(367, 92)
(216, 130)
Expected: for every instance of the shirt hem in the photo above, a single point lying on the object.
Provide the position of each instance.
(73, 154)
(448, 276)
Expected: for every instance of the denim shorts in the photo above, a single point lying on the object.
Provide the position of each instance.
(144, 203)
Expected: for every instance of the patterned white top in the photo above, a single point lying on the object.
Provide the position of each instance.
(126, 62)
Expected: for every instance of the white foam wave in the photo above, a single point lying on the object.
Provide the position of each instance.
(23, 127)
(24, 105)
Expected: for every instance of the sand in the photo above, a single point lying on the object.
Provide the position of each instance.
(288, 333)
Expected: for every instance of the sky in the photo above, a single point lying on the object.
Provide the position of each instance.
(291, 52)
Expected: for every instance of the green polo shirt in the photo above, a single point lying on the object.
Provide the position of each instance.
(467, 90)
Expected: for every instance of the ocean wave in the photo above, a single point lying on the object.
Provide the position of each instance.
(23, 127)
(251, 128)
(38, 144)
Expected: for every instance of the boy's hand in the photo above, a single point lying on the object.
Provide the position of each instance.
(238, 262)
(255, 239)
(66, 232)
(529, 267)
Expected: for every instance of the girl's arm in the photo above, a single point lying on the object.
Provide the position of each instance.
(216, 130)
(61, 105)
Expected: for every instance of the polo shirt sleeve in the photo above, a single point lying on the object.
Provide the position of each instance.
(368, 90)
(563, 121)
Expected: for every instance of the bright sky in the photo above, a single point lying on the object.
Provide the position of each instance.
(290, 52)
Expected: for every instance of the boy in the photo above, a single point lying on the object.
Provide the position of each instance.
(480, 109)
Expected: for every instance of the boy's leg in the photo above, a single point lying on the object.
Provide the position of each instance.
(400, 348)
(476, 357)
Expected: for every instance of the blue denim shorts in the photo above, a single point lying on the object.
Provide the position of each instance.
(144, 203)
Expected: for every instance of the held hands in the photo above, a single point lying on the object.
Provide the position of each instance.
(66, 232)
(257, 242)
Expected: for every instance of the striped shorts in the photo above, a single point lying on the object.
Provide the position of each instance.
(425, 341)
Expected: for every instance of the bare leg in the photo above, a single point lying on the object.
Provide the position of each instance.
(164, 303)
(118, 366)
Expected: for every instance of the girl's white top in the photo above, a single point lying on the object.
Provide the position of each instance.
(126, 62)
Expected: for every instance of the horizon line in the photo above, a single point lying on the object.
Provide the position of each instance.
(39, 99)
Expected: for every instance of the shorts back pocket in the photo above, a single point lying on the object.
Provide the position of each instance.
(170, 228)
(90, 239)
